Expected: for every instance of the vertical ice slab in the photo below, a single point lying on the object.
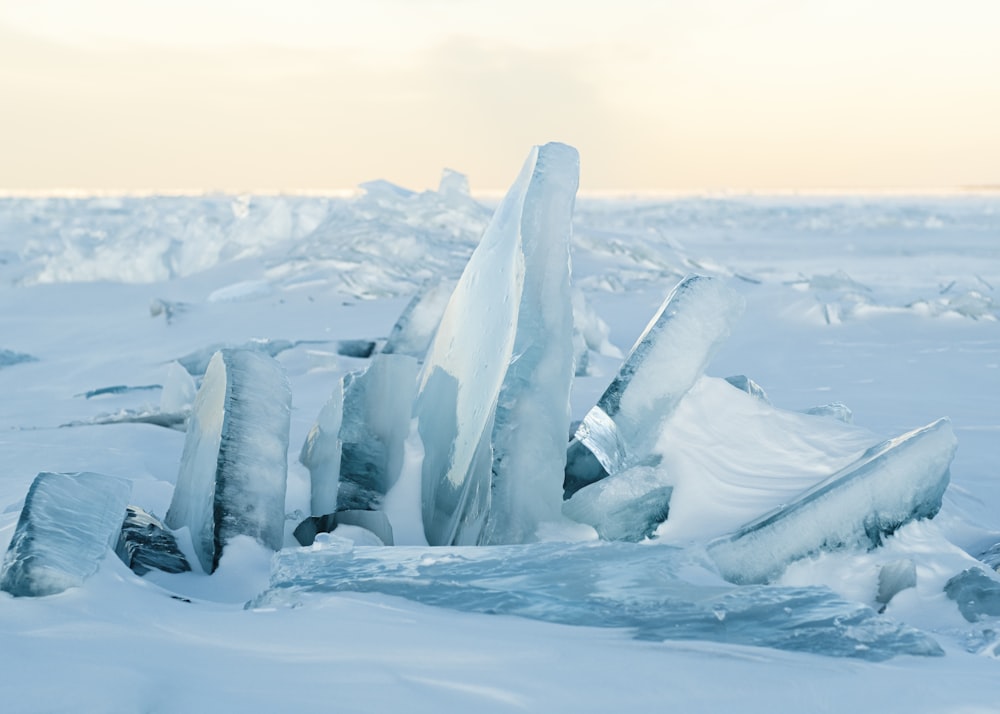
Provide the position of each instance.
(664, 363)
(321, 454)
(472, 349)
(234, 467)
(375, 423)
(532, 415)
(891, 484)
(68, 523)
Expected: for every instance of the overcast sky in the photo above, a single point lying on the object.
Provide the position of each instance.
(656, 95)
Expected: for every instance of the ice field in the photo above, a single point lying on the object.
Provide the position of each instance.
(794, 540)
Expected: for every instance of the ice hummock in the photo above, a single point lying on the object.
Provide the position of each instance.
(233, 470)
(532, 412)
(745, 384)
(894, 482)
(656, 592)
(672, 352)
(472, 349)
(68, 523)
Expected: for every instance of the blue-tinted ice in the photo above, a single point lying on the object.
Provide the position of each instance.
(468, 361)
(638, 587)
(666, 360)
(68, 523)
(233, 470)
(891, 484)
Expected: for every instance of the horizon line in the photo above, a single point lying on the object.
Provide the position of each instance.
(490, 194)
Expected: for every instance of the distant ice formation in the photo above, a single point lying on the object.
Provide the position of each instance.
(234, 466)
(67, 525)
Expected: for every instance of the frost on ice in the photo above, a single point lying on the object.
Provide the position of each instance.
(234, 466)
(890, 484)
(68, 523)
(664, 363)
(468, 361)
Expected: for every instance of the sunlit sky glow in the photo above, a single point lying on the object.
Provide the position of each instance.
(657, 95)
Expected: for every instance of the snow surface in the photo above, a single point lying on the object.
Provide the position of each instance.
(885, 304)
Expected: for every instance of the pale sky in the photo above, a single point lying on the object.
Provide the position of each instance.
(661, 95)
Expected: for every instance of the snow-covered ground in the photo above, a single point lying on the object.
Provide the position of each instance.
(887, 304)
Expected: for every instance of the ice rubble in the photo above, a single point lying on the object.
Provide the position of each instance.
(10, 357)
(976, 594)
(599, 585)
(894, 482)
(144, 544)
(68, 523)
(468, 362)
(233, 470)
(664, 363)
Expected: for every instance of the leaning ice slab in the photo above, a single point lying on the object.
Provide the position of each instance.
(664, 363)
(233, 470)
(532, 415)
(657, 592)
(68, 523)
(414, 330)
(468, 360)
(890, 484)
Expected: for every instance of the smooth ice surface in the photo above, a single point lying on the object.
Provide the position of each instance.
(233, 470)
(145, 544)
(894, 482)
(627, 506)
(666, 360)
(375, 423)
(414, 329)
(532, 413)
(472, 349)
(179, 390)
(656, 592)
(67, 525)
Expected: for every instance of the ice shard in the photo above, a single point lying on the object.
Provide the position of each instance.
(655, 593)
(375, 423)
(895, 577)
(627, 506)
(415, 328)
(664, 363)
(976, 594)
(68, 523)
(532, 413)
(233, 470)
(472, 349)
(321, 454)
(834, 410)
(745, 384)
(144, 545)
(892, 483)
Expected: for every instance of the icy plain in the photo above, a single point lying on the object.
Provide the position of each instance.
(885, 304)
